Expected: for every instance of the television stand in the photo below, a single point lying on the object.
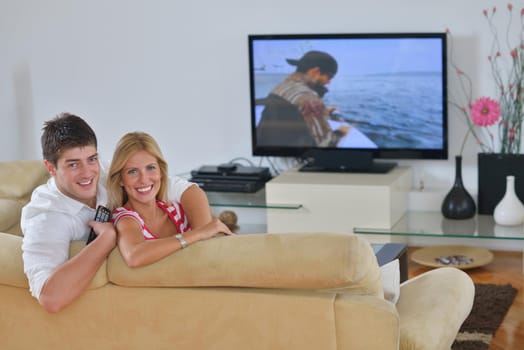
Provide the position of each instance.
(375, 168)
(338, 202)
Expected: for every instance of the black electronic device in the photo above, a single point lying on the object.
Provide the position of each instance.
(227, 167)
(238, 172)
(230, 178)
(244, 186)
(102, 215)
(344, 161)
(390, 88)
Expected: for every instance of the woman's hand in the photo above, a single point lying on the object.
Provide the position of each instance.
(211, 229)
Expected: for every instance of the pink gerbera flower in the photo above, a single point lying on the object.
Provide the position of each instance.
(485, 111)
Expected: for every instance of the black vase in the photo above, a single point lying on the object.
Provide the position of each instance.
(458, 203)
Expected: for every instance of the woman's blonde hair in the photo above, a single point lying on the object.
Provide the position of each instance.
(128, 145)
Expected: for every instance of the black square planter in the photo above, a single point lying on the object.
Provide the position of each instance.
(492, 171)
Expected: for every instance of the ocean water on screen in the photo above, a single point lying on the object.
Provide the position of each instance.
(394, 110)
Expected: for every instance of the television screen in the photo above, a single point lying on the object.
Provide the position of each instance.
(341, 95)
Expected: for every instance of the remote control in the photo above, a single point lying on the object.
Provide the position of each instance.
(102, 215)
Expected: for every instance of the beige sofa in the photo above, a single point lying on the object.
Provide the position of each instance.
(266, 291)
(17, 181)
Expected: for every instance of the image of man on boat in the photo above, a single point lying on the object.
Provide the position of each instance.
(294, 112)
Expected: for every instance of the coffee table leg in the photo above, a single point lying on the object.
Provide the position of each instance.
(403, 262)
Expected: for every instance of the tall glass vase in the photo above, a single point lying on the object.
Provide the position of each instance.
(458, 203)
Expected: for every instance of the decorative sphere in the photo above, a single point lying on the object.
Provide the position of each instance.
(230, 219)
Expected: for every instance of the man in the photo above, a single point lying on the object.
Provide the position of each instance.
(63, 209)
(294, 112)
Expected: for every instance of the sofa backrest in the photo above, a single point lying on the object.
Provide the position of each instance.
(18, 179)
(318, 261)
(314, 261)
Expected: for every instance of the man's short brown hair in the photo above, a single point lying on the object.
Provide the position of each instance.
(64, 132)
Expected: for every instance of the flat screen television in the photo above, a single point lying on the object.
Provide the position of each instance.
(386, 98)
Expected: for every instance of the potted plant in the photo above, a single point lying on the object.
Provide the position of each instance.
(496, 122)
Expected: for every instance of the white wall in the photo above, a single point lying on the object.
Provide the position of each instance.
(178, 69)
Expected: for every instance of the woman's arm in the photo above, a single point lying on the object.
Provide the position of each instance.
(138, 251)
(196, 206)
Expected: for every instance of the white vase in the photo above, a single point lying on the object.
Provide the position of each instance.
(510, 210)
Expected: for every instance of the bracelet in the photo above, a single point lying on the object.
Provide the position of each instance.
(181, 239)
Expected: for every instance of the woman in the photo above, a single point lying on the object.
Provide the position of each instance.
(149, 227)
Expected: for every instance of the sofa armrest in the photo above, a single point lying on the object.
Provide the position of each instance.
(318, 261)
(433, 306)
(366, 322)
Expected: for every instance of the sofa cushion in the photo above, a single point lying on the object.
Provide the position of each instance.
(320, 261)
(19, 178)
(12, 265)
(9, 212)
(390, 273)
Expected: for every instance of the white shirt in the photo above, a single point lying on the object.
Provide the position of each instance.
(51, 220)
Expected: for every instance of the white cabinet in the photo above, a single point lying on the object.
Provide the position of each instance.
(337, 202)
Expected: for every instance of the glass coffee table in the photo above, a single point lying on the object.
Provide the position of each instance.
(433, 224)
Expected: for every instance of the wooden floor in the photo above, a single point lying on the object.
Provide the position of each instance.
(505, 268)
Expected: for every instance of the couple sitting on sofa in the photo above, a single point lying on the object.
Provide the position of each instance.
(242, 291)
(154, 214)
